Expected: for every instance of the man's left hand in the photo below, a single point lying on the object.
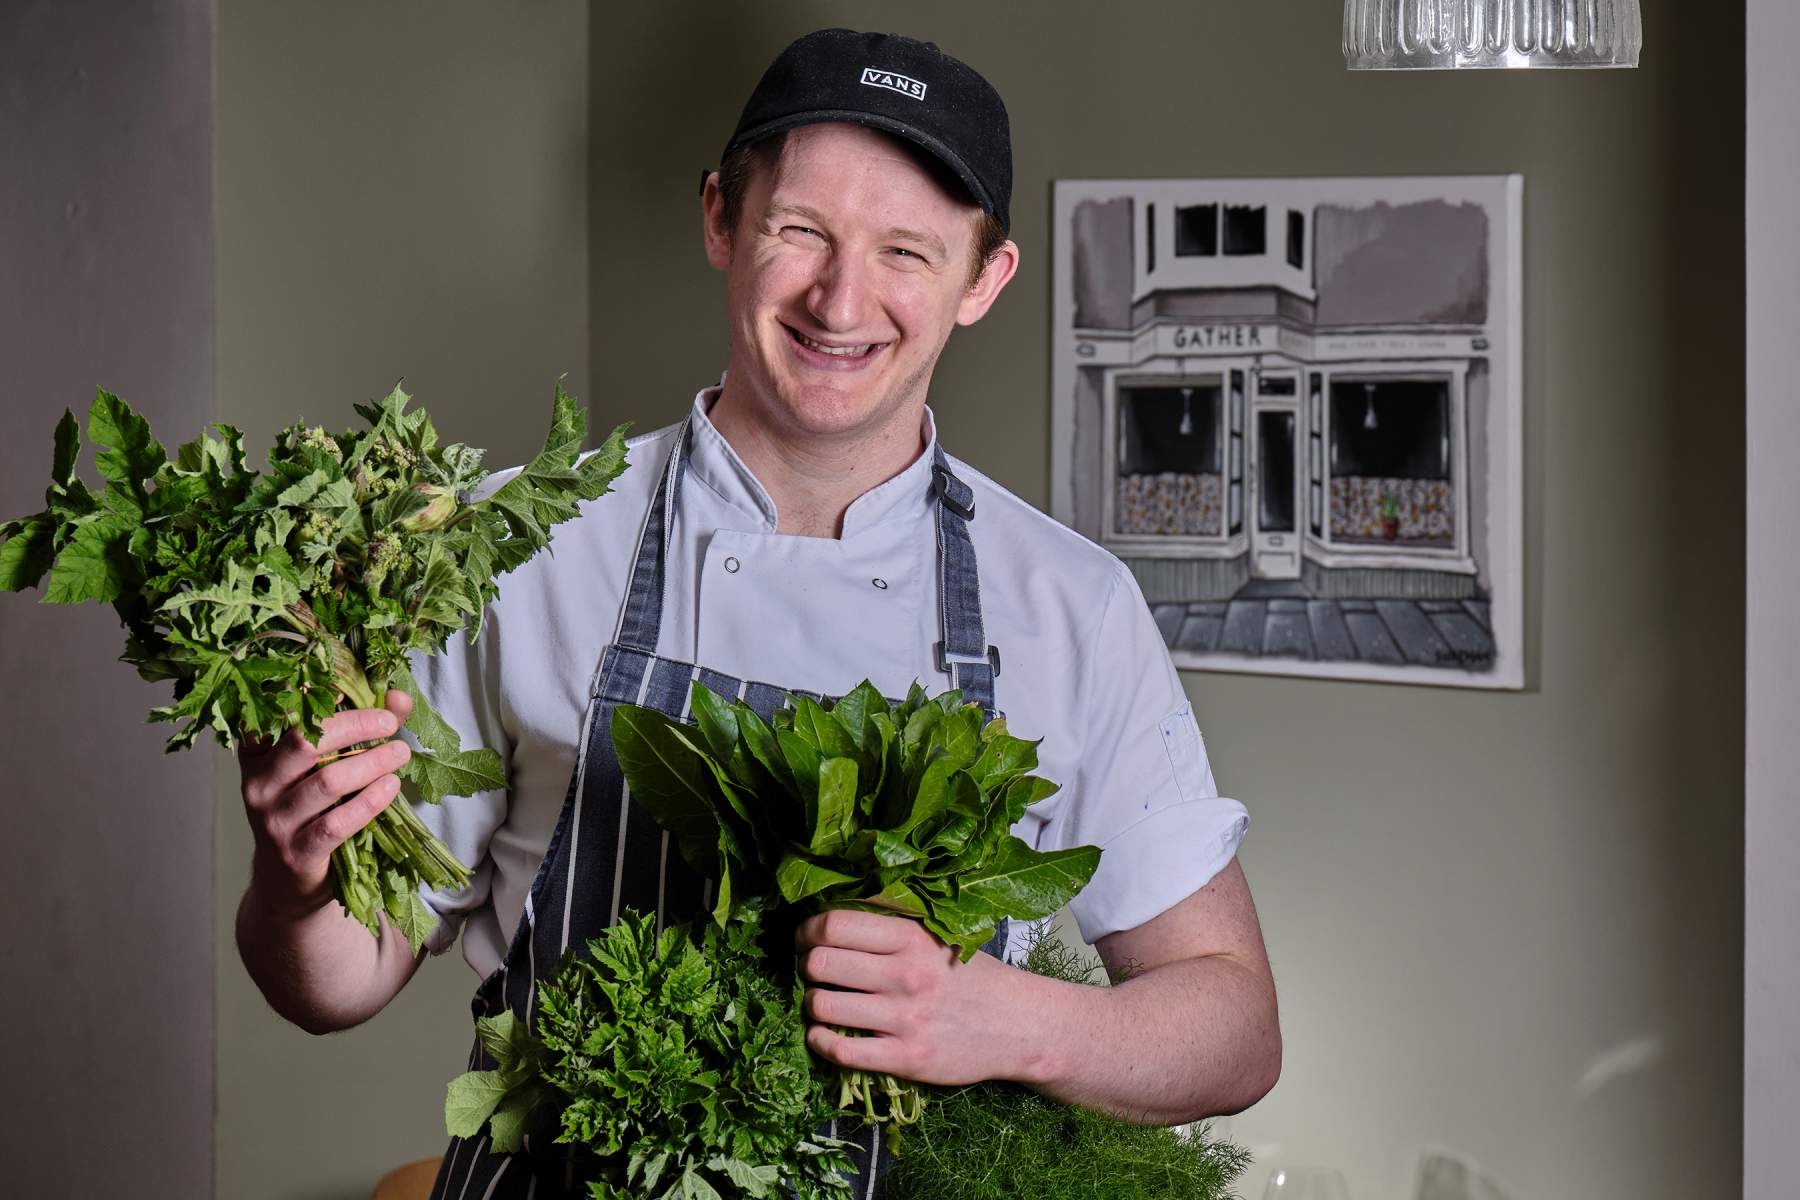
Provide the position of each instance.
(933, 1017)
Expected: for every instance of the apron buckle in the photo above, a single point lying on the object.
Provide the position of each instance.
(944, 660)
(947, 486)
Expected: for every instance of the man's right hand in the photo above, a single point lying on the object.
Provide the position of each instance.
(316, 966)
(300, 812)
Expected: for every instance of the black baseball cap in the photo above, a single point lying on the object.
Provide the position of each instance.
(908, 88)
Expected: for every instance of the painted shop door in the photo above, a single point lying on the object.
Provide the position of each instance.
(1275, 492)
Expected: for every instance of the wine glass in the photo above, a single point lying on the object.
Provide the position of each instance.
(1306, 1183)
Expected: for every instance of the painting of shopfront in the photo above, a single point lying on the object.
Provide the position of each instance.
(1291, 408)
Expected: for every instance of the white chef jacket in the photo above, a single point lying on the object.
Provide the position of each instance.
(1083, 667)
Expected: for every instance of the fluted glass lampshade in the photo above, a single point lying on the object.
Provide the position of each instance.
(1426, 34)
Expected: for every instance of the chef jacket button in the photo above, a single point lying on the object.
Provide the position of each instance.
(880, 583)
(731, 565)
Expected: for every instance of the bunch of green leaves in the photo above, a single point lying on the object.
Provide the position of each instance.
(1001, 1141)
(676, 1064)
(270, 600)
(904, 809)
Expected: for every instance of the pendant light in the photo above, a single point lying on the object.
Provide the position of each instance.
(1186, 428)
(1442, 34)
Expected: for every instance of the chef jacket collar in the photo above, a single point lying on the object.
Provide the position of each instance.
(716, 464)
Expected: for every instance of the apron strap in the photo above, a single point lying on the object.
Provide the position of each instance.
(640, 617)
(964, 653)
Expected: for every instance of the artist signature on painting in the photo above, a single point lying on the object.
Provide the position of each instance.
(1448, 656)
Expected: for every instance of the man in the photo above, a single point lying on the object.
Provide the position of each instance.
(802, 530)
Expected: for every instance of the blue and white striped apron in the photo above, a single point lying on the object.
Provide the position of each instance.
(608, 854)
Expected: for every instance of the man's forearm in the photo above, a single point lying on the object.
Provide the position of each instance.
(318, 968)
(1193, 1033)
(1190, 1039)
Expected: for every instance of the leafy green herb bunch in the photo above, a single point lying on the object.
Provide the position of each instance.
(677, 1063)
(273, 599)
(1001, 1141)
(896, 808)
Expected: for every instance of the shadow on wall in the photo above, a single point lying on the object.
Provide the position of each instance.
(1698, 349)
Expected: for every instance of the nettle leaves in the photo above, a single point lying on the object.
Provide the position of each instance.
(273, 599)
(229, 581)
(502, 1098)
(676, 1063)
(906, 808)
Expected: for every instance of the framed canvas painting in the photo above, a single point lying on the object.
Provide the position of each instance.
(1292, 407)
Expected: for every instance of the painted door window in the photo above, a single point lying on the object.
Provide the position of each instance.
(1275, 471)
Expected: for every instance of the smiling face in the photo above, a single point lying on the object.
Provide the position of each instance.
(846, 273)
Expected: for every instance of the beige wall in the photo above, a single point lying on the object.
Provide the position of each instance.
(1504, 924)
(401, 192)
(1772, 819)
(1507, 924)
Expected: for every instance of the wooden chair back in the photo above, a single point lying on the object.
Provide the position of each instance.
(411, 1182)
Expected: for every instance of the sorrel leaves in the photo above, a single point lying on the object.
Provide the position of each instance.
(901, 808)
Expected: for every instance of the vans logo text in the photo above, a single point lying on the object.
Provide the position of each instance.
(893, 83)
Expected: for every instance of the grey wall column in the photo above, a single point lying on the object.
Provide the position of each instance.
(106, 236)
(1771, 816)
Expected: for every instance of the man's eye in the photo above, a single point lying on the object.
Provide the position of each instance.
(807, 229)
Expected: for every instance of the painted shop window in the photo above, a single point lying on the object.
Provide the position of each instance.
(1390, 462)
(1170, 477)
(1296, 240)
(1246, 230)
(1197, 231)
(1149, 238)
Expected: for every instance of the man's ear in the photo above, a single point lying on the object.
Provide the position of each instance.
(712, 223)
(996, 275)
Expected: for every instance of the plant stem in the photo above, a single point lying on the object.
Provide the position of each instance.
(345, 672)
(326, 760)
(396, 837)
